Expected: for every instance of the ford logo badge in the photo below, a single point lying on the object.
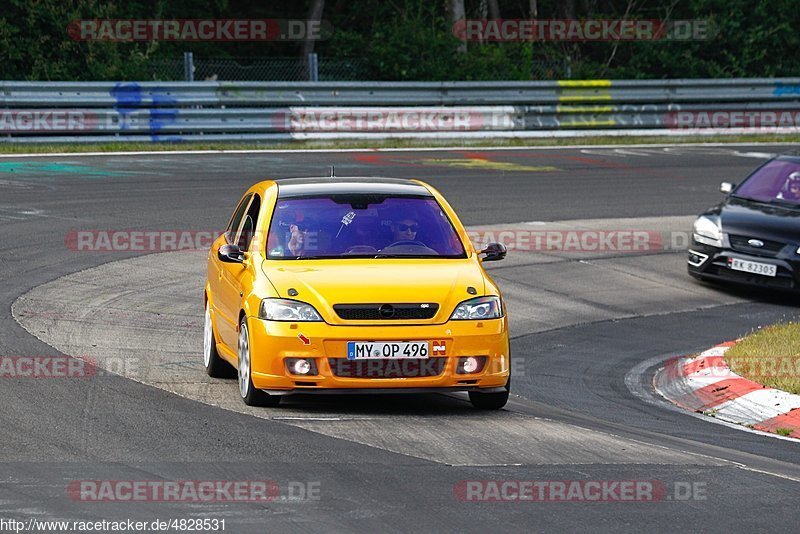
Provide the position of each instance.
(755, 243)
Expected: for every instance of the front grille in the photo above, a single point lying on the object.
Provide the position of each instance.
(770, 248)
(385, 312)
(402, 368)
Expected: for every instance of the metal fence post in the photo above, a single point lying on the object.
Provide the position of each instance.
(188, 66)
(313, 67)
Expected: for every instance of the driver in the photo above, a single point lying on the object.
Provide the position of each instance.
(791, 188)
(405, 229)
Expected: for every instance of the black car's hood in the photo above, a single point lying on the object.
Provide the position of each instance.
(756, 219)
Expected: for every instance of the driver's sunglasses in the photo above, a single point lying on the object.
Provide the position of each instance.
(405, 227)
(794, 187)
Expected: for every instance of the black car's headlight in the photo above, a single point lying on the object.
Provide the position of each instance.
(478, 308)
(707, 232)
(287, 310)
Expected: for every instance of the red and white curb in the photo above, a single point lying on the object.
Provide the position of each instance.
(706, 384)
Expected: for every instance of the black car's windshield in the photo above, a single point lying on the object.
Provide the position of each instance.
(777, 182)
(359, 225)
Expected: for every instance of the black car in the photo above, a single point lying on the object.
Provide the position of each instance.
(753, 237)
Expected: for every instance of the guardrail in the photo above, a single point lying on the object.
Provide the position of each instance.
(274, 111)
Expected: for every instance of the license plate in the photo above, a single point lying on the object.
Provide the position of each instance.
(394, 350)
(754, 267)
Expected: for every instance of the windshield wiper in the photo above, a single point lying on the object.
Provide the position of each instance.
(388, 255)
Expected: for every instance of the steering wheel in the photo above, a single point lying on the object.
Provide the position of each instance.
(406, 243)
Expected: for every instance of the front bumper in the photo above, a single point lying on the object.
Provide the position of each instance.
(273, 342)
(713, 263)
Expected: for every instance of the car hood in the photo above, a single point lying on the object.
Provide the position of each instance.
(323, 283)
(756, 219)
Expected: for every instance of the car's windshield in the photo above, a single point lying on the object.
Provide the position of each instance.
(776, 182)
(360, 225)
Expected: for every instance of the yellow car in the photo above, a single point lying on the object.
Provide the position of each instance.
(353, 285)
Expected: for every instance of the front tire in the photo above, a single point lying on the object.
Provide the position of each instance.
(215, 366)
(490, 401)
(250, 395)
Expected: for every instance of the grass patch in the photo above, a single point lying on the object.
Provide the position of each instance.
(12, 148)
(784, 431)
(770, 356)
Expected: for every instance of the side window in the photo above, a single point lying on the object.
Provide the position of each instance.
(249, 223)
(236, 220)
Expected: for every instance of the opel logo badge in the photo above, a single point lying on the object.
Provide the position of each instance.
(755, 243)
(386, 311)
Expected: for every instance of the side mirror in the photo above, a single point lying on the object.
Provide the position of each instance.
(726, 187)
(230, 254)
(494, 252)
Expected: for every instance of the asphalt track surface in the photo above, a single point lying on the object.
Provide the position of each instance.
(582, 410)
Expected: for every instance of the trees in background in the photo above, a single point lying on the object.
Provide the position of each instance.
(413, 39)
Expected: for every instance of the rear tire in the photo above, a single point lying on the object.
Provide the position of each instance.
(250, 395)
(215, 366)
(490, 401)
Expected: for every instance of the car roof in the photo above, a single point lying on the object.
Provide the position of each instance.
(301, 187)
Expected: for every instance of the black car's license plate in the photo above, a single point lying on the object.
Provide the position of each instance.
(755, 267)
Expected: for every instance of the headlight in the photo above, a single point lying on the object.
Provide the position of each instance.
(287, 310)
(707, 232)
(479, 308)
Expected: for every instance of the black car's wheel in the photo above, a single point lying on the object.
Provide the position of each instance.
(250, 395)
(490, 401)
(215, 366)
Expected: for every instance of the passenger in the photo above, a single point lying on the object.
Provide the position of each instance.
(791, 188)
(304, 238)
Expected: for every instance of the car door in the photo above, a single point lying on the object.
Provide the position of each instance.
(225, 294)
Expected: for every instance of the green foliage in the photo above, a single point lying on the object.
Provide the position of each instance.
(412, 39)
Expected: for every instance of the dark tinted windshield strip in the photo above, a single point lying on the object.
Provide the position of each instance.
(321, 190)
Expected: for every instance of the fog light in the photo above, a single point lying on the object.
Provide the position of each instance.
(696, 259)
(470, 365)
(301, 366)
